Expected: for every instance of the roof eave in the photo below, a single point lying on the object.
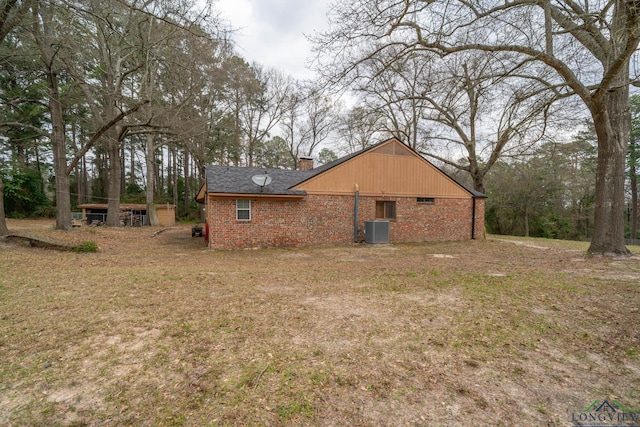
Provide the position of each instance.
(259, 195)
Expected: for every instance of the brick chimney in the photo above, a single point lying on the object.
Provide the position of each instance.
(305, 163)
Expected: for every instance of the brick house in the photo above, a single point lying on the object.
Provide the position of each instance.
(330, 204)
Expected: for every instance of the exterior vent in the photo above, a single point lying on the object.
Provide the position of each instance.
(376, 232)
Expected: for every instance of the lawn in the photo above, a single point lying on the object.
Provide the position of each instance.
(158, 330)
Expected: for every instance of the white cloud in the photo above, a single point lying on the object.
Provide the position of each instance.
(272, 32)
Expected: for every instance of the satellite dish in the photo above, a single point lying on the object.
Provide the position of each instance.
(261, 180)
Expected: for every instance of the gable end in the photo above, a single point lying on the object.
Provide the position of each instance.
(387, 169)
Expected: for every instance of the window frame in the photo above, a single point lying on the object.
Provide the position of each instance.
(385, 205)
(243, 209)
(426, 200)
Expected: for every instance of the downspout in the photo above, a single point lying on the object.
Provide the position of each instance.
(356, 200)
(473, 217)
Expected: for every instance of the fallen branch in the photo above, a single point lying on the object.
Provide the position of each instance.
(255, 386)
(160, 231)
(36, 242)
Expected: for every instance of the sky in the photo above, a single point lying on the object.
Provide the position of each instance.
(272, 32)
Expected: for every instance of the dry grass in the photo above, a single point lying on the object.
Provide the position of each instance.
(159, 331)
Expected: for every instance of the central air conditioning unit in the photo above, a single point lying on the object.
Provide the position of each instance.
(376, 232)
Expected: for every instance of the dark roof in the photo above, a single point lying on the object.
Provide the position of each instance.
(473, 192)
(237, 180)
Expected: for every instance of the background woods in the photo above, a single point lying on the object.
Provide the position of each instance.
(114, 101)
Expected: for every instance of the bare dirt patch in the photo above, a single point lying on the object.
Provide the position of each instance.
(157, 330)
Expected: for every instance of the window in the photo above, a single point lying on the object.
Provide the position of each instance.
(385, 210)
(243, 210)
(426, 200)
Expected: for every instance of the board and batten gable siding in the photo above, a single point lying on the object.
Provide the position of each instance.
(388, 170)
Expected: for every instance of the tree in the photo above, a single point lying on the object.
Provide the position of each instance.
(24, 195)
(110, 56)
(12, 12)
(262, 108)
(45, 24)
(550, 194)
(274, 153)
(634, 160)
(467, 104)
(359, 127)
(519, 197)
(307, 120)
(99, 63)
(3, 222)
(326, 156)
(23, 111)
(396, 94)
(587, 45)
(64, 52)
(123, 45)
(478, 110)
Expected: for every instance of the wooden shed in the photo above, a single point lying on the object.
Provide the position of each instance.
(166, 215)
(131, 214)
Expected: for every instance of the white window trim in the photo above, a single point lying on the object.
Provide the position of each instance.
(238, 209)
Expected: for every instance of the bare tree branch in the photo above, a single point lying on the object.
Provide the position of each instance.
(96, 136)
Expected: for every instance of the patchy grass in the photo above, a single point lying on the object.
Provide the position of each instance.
(567, 244)
(160, 331)
(87, 246)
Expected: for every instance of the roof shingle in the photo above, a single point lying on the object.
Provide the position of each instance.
(237, 180)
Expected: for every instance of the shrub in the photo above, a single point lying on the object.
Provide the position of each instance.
(88, 246)
(23, 193)
(45, 212)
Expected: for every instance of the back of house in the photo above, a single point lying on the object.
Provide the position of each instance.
(330, 204)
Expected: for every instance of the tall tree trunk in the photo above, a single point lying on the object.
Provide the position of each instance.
(634, 155)
(187, 160)
(152, 215)
(114, 177)
(123, 170)
(237, 143)
(43, 33)
(78, 172)
(132, 163)
(85, 182)
(478, 180)
(169, 168)
(63, 198)
(39, 169)
(3, 222)
(634, 200)
(159, 162)
(76, 168)
(175, 175)
(612, 122)
(612, 119)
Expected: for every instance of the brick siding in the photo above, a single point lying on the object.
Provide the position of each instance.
(328, 220)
